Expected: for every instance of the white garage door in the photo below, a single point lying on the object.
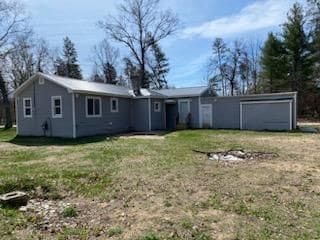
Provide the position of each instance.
(266, 115)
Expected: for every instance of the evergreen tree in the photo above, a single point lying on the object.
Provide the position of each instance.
(314, 16)
(299, 58)
(297, 51)
(67, 65)
(159, 68)
(274, 70)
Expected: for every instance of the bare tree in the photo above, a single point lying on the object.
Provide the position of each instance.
(43, 56)
(244, 72)
(13, 22)
(254, 49)
(230, 68)
(138, 25)
(220, 50)
(28, 57)
(105, 58)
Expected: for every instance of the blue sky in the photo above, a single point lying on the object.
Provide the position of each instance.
(188, 50)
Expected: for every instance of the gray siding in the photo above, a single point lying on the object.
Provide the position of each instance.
(194, 109)
(266, 116)
(108, 123)
(139, 115)
(157, 118)
(41, 101)
(226, 110)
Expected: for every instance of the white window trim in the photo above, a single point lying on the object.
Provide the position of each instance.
(53, 98)
(117, 104)
(24, 107)
(100, 107)
(159, 106)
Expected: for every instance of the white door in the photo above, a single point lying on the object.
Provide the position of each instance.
(206, 114)
(184, 109)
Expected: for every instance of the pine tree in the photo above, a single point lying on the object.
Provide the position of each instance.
(297, 51)
(273, 65)
(314, 20)
(67, 65)
(159, 68)
(299, 58)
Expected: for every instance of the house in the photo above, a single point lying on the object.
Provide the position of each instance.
(49, 105)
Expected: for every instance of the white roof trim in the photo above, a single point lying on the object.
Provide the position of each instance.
(31, 79)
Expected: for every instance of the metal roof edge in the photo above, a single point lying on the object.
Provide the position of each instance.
(259, 95)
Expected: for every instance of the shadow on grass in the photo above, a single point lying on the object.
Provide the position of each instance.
(54, 141)
(46, 141)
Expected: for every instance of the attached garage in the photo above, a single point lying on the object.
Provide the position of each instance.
(274, 112)
(266, 115)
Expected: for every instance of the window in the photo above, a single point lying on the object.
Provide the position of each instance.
(157, 107)
(56, 106)
(184, 110)
(27, 107)
(114, 105)
(93, 106)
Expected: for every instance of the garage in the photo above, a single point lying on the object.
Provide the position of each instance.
(266, 115)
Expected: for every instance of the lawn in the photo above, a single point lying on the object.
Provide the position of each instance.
(157, 187)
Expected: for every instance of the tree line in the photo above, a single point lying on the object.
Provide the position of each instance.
(138, 26)
(288, 60)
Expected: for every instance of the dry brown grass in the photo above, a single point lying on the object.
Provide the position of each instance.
(160, 185)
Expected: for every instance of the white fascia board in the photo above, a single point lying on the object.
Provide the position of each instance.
(101, 94)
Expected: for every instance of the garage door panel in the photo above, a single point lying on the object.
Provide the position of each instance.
(266, 116)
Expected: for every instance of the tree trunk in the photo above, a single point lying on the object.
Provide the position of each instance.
(6, 102)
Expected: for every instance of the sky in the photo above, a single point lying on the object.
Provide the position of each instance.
(188, 50)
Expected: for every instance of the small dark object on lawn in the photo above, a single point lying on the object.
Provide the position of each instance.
(14, 199)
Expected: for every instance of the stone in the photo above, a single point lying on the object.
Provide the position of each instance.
(14, 199)
(23, 209)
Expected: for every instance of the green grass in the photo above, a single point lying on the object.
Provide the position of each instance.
(70, 212)
(115, 231)
(165, 179)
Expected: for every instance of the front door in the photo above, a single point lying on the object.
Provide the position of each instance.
(206, 114)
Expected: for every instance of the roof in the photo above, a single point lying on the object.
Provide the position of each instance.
(183, 92)
(82, 86)
(90, 87)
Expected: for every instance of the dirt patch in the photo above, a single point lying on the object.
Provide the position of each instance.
(237, 155)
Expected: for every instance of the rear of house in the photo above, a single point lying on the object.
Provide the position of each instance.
(48, 105)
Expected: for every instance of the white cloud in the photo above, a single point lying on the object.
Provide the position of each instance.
(258, 15)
